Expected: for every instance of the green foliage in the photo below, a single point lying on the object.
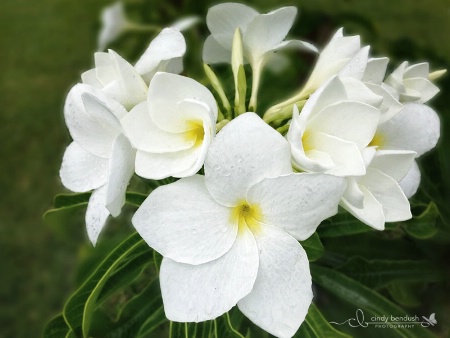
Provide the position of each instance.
(313, 247)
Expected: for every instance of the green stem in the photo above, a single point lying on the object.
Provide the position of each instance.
(186, 331)
(231, 326)
(170, 329)
(283, 129)
(255, 86)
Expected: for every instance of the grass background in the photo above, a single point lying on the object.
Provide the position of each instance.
(46, 44)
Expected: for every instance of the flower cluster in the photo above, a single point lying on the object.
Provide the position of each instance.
(230, 236)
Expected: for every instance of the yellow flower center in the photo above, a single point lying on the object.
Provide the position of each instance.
(246, 216)
(377, 141)
(195, 133)
(307, 146)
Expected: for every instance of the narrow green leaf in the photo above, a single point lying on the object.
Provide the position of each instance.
(65, 200)
(405, 293)
(378, 273)
(342, 224)
(363, 298)
(313, 247)
(80, 306)
(424, 225)
(316, 326)
(56, 328)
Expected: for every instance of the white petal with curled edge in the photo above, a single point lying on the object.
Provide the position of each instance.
(358, 91)
(417, 70)
(183, 223)
(96, 214)
(223, 19)
(121, 169)
(244, 152)
(145, 135)
(423, 86)
(194, 293)
(213, 52)
(156, 166)
(82, 171)
(416, 128)
(129, 88)
(410, 183)
(105, 68)
(102, 113)
(265, 31)
(282, 292)
(375, 70)
(86, 129)
(168, 44)
(89, 77)
(394, 163)
(348, 120)
(346, 157)
(389, 106)
(353, 193)
(387, 192)
(295, 44)
(371, 213)
(297, 203)
(166, 90)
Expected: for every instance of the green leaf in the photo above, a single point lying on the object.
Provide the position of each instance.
(405, 293)
(424, 225)
(316, 326)
(378, 273)
(342, 224)
(67, 200)
(313, 247)
(79, 308)
(56, 328)
(362, 298)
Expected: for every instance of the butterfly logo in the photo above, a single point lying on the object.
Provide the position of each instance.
(432, 320)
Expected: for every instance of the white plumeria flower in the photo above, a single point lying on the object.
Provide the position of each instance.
(173, 128)
(415, 128)
(412, 82)
(100, 158)
(127, 84)
(332, 130)
(262, 35)
(230, 237)
(377, 197)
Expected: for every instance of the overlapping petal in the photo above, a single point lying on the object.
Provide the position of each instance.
(183, 222)
(282, 292)
(193, 293)
(244, 153)
(96, 214)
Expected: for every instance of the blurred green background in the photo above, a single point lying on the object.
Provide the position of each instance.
(46, 44)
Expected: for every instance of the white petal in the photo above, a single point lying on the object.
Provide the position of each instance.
(194, 293)
(145, 135)
(121, 169)
(213, 52)
(113, 24)
(345, 156)
(394, 163)
(166, 90)
(358, 91)
(183, 222)
(297, 203)
(223, 19)
(423, 86)
(86, 129)
(415, 128)
(389, 106)
(265, 31)
(282, 292)
(244, 152)
(348, 120)
(96, 214)
(371, 213)
(129, 88)
(102, 113)
(168, 44)
(387, 191)
(375, 70)
(105, 68)
(90, 78)
(82, 171)
(295, 44)
(185, 23)
(353, 193)
(356, 66)
(181, 163)
(410, 183)
(417, 70)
